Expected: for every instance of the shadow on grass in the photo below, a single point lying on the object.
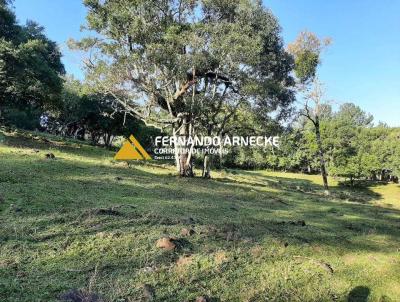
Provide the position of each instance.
(250, 212)
(360, 194)
(31, 140)
(56, 205)
(359, 294)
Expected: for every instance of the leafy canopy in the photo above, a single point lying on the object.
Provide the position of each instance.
(30, 64)
(170, 59)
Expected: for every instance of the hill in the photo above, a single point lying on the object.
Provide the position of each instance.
(82, 223)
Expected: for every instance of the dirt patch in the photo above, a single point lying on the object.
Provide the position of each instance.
(256, 251)
(220, 257)
(173, 243)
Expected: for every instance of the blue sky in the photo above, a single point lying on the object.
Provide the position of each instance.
(361, 66)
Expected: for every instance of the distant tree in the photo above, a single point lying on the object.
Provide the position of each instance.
(393, 153)
(350, 113)
(84, 113)
(384, 145)
(172, 63)
(351, 155)
(357, 149)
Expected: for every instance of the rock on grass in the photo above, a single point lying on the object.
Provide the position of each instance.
(166, 243)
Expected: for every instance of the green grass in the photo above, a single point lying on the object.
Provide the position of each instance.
(248, 244)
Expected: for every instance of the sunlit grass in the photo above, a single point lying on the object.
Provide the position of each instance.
(248, 245)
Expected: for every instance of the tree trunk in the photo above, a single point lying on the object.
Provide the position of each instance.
(108, 138)
(207, 166)
(185, 165)
(321, 155)
(182, 154)
(76, 131)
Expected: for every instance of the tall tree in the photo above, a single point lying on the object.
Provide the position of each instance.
(313, 114)
(175, 61)
(306, 50)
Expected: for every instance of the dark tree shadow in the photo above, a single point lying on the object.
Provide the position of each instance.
(47, 142)
(358, 294)
(361, 193)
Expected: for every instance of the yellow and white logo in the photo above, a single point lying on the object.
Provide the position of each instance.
(132, 150)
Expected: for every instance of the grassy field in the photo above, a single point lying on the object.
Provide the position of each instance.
(84, 222)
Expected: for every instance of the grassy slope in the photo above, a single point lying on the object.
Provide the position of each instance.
(53, 239)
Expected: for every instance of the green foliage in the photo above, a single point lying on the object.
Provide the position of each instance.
(9, 30)
(349, 140)
(306, 65)
(30, 65)
(99, 116)
(26, 118)
(306, 50)
(351, 114)
(197, 59)
(354, 148)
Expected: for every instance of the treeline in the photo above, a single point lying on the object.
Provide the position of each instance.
(97, 117)
(354, 148)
